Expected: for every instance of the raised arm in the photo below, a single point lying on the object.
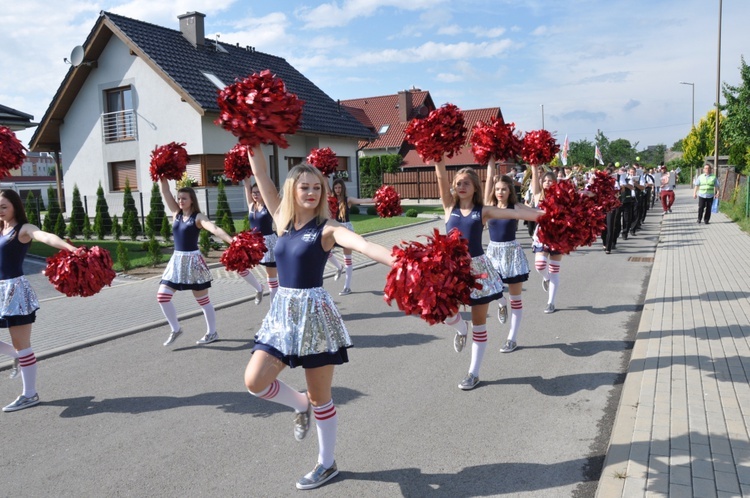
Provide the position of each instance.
(489, 182)
(248, 192)
(32, 232)
(536, 186)
(263, 180)
(350, 240)
(167, 195)
(203, 222)
(443, 185)
(520, 212)
(355, 200)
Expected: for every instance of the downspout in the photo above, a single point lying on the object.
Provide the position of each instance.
(58, 180)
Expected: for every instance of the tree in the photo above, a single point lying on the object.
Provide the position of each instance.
(77, 212)
(652, 155)
(31, 209)
(699, 143)
(116, 228)
(622, 151)
(581, 152)
(204, 242)
(54, 209)
(736, 127)
(130, 223)
(123, 257)
(156, 212)
(677, 146)
(59, 228)
(166, 229)
(86, 228)
(102, 219)
(603, 143)
(222, 207)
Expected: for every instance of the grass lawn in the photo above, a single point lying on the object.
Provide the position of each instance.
(138, 256)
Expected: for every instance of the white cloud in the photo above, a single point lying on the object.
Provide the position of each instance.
(335, 14)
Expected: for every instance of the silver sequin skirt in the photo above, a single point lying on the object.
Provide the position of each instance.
(18, 301)
(492, 285)
(509, 260)
(304, 328)
(187, 270)
(348, 224)
(269, 258)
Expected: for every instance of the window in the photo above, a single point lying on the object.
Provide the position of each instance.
(383, 129)
(342, 170)
(119, 118)
(122, 171)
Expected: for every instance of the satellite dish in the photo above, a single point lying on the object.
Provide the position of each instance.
(422, 111)
(76, 56)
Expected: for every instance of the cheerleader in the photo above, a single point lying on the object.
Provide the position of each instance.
(187, 270)
(261, 220)
(465, 211)
(505, 252)
(303, 327)
(19, 301)
(345, 203)
(546, 261)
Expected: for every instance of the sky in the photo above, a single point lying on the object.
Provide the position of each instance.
(570, 66)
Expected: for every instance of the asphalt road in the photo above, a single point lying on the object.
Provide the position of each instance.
(129, 417)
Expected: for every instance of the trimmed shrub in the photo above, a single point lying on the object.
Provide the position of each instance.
(411, 213)
(123, 257)
(102, 219)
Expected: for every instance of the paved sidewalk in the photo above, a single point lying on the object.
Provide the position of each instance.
(129, 306)
(682, 422)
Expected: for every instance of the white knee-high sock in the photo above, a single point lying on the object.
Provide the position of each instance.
(248, 276)
(327, 421)
(348, 267)
(164, 297)
(478, 346)
(8, 350)
(516, 313)
(457, 323)
(281, 393)
(208, 313)
(335, 262)
(554, 280)
(273, 286)
(540, 263)
(27, 362)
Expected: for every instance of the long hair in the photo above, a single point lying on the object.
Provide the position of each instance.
(508, 181)
(19, 212)
(343, 200)
(474, 178)
(194, 206)
(552, 176)
(254, 185)
(288, 207)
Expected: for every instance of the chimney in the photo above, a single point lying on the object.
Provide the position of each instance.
(404, 106)
(191, 25)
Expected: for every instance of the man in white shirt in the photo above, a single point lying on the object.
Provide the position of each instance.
(666, 189)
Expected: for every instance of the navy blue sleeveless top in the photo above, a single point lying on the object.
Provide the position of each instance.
(12, 254)
(300, 257)
(262, 220)
(343, 217)
(185, 233)
(503, 230)
(470, 227)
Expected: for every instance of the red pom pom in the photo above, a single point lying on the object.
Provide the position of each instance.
(324, 159)
(169, 161)
(497, 140)
(387, 202)
(333, 206)
(539, 147)
(245, 251)
(442, 132)
(603, 188)
(11, 151)
(431, 280)
(83, 272)
(570, 219)
(259, 110)
(237, 164)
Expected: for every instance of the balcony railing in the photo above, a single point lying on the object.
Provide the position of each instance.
(119, 126)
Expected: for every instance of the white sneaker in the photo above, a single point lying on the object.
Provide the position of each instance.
(208, 338)
(502, 313)
(15, 370)
(173, 336)
(259, 296)
(22, 402)
(345, 292)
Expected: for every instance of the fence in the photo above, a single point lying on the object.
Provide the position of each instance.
(422, 183)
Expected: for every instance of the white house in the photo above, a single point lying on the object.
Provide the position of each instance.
(139, 86)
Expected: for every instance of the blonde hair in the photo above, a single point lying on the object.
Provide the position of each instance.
(474, 178)
(288, 207)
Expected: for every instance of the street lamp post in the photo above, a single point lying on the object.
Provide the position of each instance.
(542, 106)
(718, 96)
(692, 85)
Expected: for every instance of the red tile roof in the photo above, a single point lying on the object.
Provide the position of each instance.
(374, 112)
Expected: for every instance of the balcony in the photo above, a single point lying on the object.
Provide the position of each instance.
(119, 126)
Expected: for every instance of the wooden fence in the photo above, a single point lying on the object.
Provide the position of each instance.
(422, 183)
